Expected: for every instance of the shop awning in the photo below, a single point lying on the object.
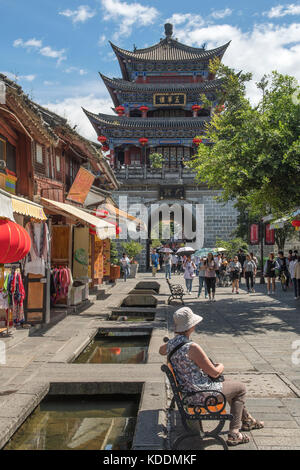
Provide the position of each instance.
(6, 210)
(103, 229)
(21, 206)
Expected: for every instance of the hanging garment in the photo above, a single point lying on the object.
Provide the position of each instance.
(36, 260)
(17, 292)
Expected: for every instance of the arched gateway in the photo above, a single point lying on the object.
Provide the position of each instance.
(159, 110)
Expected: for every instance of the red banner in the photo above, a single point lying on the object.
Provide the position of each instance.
(269, 235)
(254, 234)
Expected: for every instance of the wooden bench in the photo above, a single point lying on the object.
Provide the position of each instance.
(177, 292)
(212, 409)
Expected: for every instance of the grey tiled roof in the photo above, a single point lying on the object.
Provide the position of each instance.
(120, 84)
(170, 50)
(150, 123)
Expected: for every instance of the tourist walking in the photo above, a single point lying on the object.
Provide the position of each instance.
(283, 266)
(249, 270)
(270, 272)
(154, 261)
(189, 273)
(241, 258)
(174, 263)
(202, 283)
(253, 258)
(168, 265)
(292, 269)
(195, 372)
(125, 263)
(235, 270)
(297, 276)
(210, 276)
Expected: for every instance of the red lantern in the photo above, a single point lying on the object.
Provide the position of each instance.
(120, 110)
(144, 108)
(105, 148)
(197, 141)
(102, 139)
(143, 141)
(196, 107)
(101, 213)
(15, 242)
(296, 223)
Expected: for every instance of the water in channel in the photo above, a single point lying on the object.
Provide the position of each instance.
(116, 348)
(94, 422)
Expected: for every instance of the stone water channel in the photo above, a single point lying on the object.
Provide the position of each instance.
(104, 411)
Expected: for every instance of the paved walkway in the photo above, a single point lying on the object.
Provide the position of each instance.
(252, 335)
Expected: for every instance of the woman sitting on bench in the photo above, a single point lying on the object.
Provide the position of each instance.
(195, 371)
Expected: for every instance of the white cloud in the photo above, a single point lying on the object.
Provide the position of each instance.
(188, 18)
(128, 14)
(35, 43)
(265, 48)
(102, 40)
(46, 51)
(76, 70)
(219, 14)
(15, 77)
(283, 10)
(81, 15)
(70, 108)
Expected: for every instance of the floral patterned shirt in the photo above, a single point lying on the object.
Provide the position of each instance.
(188, 374)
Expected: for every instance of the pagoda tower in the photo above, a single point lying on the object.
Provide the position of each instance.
(157, 103)
(158, 109)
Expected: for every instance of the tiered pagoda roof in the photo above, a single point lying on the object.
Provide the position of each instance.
(169, 49)
(117, 85)
(130, 127)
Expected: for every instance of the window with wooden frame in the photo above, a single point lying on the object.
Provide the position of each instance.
(39, 154)
(2, 148)
(58, 164)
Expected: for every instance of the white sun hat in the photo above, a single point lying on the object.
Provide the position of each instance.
(184, 319)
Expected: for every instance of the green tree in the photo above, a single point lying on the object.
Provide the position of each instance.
(156, 160)
(132, 248)
(114, 255)
(233, 246)
(254, 155)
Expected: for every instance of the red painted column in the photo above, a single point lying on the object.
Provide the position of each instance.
(127, 157)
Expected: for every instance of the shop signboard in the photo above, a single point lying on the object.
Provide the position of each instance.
(81, 186)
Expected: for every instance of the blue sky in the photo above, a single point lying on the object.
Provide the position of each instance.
(56, 48)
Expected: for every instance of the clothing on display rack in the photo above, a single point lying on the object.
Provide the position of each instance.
(13, 295)
(60, 283)
(36, 260)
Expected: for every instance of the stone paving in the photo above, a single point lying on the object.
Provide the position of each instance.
(251, 334)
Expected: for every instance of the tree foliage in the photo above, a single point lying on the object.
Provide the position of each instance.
(254, 151)
(233, 246)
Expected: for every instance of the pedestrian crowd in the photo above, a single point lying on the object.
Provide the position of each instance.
(218, 270)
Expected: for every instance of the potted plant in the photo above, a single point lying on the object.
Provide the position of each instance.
(115, 269)
(132, 249)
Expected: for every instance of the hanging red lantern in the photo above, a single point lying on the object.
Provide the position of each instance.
(105, 148)
(196, 107)
(143, 141)
(15, 242)
(120, 110)
(296, 223)
(197, 141)
(101, 213)
(102, 139)
(144, 109)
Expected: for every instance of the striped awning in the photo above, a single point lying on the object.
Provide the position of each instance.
(21, 206)
(103, 229)
(11, 203)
